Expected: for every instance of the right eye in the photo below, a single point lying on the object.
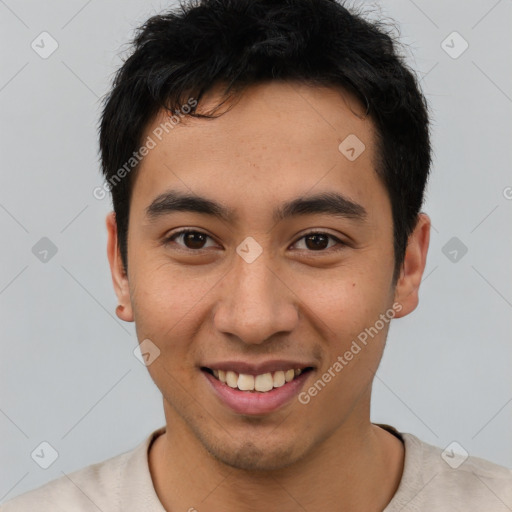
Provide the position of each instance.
(193, 240)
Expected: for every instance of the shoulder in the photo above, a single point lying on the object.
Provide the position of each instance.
(87, 489)
(451, 479)
(121, 482)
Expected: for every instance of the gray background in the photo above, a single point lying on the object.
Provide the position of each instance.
(68, 373)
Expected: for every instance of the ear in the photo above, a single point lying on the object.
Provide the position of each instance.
(119, 277)
(408, 284)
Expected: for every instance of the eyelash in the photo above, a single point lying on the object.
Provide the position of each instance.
(175, 235)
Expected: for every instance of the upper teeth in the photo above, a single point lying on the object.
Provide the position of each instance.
(262, 383)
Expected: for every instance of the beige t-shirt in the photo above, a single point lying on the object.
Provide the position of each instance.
(429, 483)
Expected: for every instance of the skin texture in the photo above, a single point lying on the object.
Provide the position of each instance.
(278, 142)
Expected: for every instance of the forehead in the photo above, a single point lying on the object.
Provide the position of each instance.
(277, 138)
(272, 112)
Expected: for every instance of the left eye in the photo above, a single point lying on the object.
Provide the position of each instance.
(194, 240)
(317, 241)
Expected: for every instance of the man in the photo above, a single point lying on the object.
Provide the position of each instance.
(267, 162)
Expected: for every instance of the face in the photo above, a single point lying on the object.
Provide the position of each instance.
(257, 292)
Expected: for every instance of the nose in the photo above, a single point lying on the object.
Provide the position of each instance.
(255, 302)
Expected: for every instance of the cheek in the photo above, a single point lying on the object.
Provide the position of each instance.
(350, 312)
(346, 300)
(168, 304)
(167, 312)
(353, 344)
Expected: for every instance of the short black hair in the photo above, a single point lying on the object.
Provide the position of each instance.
(185, 52)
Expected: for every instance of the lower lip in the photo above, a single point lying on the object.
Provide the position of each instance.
(246, 402)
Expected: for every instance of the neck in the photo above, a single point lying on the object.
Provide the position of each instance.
(356, 468)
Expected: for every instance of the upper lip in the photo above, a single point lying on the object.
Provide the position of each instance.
(257, 368)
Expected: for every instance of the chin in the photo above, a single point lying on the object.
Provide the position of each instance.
(253, 457)
(265, 452)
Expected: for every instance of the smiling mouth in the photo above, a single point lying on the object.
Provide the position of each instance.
(262, 383)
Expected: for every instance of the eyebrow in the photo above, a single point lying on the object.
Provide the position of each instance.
(330, 203)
